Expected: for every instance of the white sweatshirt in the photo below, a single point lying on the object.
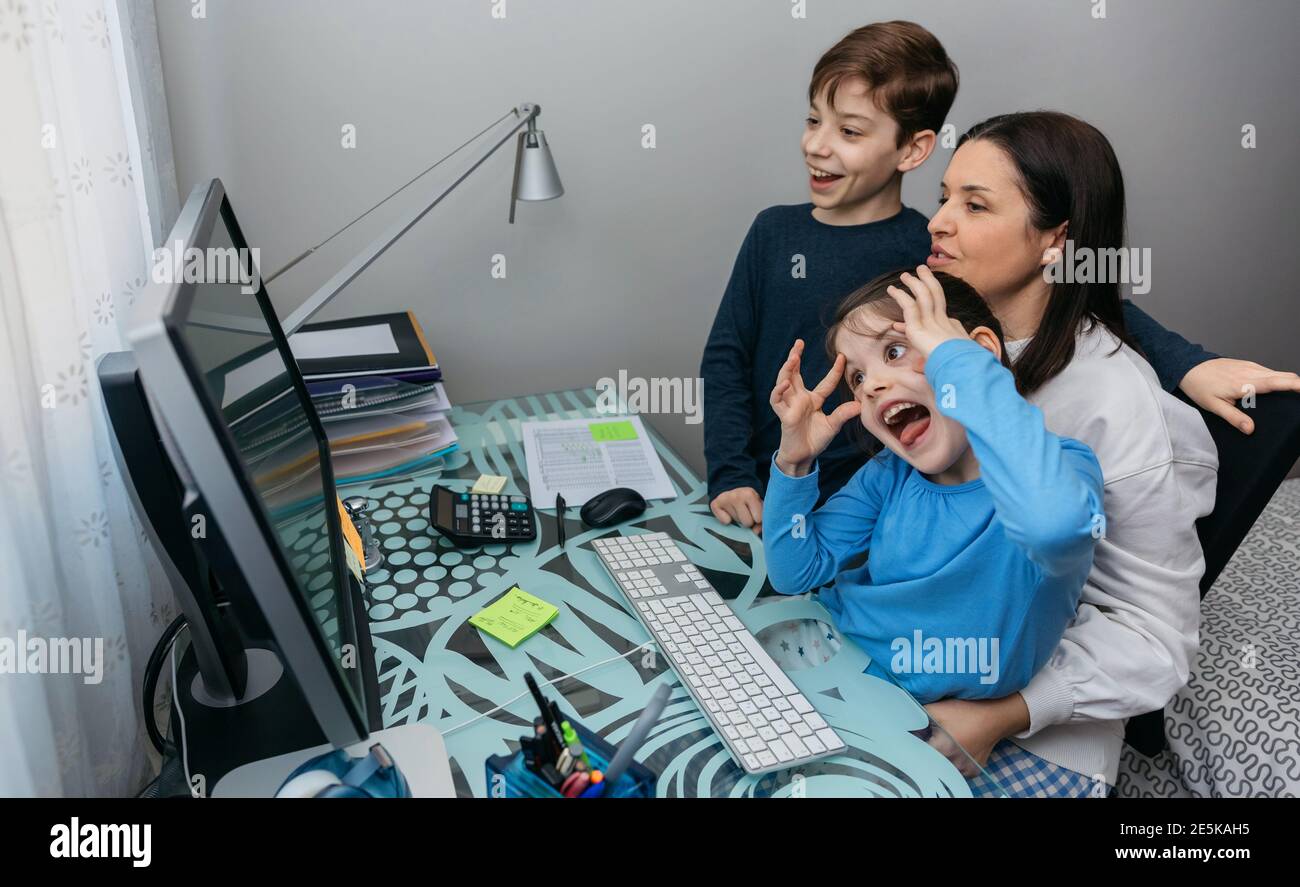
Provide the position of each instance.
(1135, 634)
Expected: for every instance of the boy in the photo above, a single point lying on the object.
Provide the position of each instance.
(797, 262)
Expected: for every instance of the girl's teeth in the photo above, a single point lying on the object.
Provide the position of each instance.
(895, 410)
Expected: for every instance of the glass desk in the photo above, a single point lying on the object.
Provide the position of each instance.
(435, 668)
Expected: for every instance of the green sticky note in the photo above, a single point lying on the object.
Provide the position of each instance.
(602, 432)
(514, 617)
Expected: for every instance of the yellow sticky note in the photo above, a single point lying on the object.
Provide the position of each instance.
(353, 552)
(611, 431)
(514, 617)
(489, 483)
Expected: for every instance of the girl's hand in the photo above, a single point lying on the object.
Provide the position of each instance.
(805, 429)
(925, 318)
(1216, 385)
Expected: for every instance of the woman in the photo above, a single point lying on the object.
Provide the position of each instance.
(1018, 187)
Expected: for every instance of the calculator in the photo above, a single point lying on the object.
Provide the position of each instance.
(473, 519)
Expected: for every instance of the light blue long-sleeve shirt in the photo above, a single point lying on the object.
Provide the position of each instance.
(968, 588)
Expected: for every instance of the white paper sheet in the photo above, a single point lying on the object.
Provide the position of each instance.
(375, 338)
(563, 457)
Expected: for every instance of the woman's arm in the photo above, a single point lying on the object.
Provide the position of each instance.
(1169, 354)
(1215, 384)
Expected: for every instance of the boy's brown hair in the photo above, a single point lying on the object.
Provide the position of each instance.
(905, 66)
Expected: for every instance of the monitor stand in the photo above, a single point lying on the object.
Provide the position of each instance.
(418, 750)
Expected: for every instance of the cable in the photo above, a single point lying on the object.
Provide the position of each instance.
(180, 716)
(151, 672)
(640, 649)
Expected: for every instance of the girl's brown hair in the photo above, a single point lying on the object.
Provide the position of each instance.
(965, 305)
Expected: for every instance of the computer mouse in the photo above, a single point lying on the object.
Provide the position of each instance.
(612, 507)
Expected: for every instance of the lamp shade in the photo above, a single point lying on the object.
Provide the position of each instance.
(538, 179)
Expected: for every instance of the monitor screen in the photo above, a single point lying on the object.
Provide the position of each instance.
(229, 342)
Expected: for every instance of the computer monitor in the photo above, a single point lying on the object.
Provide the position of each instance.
(237, 423)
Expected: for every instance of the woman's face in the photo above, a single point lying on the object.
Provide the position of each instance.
(982, 232)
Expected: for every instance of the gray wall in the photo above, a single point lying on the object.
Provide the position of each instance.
(625, 271)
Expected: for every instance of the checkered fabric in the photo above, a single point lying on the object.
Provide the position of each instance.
(1023, 775)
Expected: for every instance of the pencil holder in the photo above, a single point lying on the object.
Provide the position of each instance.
(509, 777)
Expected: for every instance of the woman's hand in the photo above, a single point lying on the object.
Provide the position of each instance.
(805, 429)
(1216, 385)
(925, 313)
(977, 725)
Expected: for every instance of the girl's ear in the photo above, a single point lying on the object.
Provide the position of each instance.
(987, 339)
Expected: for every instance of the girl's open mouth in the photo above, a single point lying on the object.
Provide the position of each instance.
(907, 421)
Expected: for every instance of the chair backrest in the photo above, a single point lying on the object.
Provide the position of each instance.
(1251, 467)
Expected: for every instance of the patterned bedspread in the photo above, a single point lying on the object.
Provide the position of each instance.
(1234, 730)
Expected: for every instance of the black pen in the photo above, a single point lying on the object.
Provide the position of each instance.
(557, 738)
(559, 517)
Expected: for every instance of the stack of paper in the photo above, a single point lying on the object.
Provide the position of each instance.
(378, 434)
(377, 389)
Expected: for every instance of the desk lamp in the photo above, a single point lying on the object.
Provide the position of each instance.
(535, 178)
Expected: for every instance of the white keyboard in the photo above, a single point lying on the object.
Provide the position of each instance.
(761, 716)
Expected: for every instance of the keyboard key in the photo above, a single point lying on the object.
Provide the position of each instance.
(796, 745)
(829, 739)
(782, 753)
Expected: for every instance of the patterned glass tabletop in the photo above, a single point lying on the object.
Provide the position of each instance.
(436, 668)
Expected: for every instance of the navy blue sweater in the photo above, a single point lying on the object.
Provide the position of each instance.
(791, 272)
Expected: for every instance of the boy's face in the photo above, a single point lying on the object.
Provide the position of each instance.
(887, 376)
(855, 142)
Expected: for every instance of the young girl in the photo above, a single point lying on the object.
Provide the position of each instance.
(979, 523)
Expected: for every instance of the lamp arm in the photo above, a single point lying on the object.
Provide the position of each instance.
(362, 260)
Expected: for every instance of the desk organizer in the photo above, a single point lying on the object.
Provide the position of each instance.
(509, 777)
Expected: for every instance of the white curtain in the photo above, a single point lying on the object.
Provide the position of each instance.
(74, 253)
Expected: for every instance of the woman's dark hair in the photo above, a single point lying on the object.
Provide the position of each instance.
(1068, 173)
(965, 305)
